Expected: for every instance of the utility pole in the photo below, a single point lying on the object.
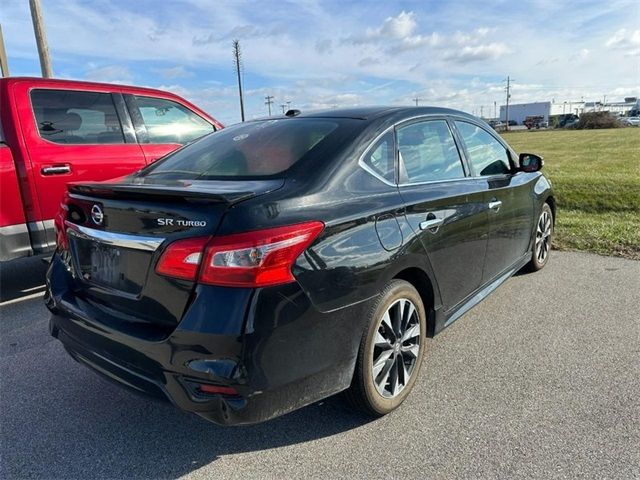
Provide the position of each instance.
(417, 100)
(4, 66)
(237, 60)
(481, 111)
(283, 106)
(506, 111)
(41, 38)
(268, 102)
(495, 110)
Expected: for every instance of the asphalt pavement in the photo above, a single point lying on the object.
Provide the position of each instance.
(542, 380)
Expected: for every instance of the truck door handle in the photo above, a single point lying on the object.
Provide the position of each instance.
(56, 170)
(495, 205)
(431, 224)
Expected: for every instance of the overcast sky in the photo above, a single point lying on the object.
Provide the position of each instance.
(320, 54)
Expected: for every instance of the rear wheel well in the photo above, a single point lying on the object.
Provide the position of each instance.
(422, 284)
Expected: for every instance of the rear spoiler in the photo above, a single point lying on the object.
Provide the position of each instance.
(206, 192)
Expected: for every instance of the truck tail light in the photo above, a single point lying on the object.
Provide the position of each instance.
(251, 259)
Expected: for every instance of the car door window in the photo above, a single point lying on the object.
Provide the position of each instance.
(486, 154)
(73, 117)
(380, 158)
(170, 122)
(428, 153)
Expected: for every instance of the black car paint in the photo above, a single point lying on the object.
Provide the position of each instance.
(286, 346)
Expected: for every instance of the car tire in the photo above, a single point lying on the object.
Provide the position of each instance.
(392, 346)
(542, 240)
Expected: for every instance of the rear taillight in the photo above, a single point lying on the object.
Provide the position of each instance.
(258, 258)
(252, 259)
(182, 258)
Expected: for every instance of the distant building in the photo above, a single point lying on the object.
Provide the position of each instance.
(617, 108)
(520, 111)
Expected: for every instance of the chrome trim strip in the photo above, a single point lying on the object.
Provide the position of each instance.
(427, 117)
(136, 242)
(366, 168)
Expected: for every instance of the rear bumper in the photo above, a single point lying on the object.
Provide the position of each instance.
(280, 355)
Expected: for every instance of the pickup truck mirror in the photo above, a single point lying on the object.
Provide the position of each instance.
(530, 162)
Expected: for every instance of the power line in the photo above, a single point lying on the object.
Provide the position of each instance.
(268, 102)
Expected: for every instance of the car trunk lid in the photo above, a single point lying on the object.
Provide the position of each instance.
(116, 233)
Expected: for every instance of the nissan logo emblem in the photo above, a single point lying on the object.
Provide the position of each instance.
(96, 215)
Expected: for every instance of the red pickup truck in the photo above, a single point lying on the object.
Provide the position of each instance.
(53, 132)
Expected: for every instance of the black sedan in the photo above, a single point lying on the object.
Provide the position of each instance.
(280, 261)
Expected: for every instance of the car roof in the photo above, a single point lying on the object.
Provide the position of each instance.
(377, 112)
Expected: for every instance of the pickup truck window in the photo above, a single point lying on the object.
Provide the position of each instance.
(170, 122)
(75, 117)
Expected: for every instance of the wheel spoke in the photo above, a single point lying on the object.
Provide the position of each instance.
(412, 350)
(408, 314)
(388, 327)
(382, 342)
(394, 377)
(397, 317)
(405, 372)
(381, 361)
(412, 332)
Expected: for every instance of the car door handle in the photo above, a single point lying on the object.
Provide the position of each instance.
(433, 223)
(56, 170)
(495, 205)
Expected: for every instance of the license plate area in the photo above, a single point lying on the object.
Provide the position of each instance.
(110, 266)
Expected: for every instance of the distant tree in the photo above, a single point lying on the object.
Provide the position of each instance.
(592, 120)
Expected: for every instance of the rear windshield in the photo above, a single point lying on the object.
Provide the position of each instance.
(253, 149)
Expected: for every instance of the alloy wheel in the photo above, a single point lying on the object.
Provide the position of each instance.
(396, 349)
(543, 237)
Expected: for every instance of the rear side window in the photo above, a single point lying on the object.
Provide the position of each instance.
(170, 122)
(486, 154)
(73, 117)
(380, 158)
(428, 153)
(252, 149)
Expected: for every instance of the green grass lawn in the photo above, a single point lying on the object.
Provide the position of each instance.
(596, 178)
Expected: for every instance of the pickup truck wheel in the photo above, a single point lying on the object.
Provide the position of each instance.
(391, 350)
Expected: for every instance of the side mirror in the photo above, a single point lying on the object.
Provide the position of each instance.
(530, 162)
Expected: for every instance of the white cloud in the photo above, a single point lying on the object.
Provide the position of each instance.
(624, 39)
(627, 41)
(109, 74)
(179, 71)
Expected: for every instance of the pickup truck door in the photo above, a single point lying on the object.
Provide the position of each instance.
(163, 125)
(71, 135)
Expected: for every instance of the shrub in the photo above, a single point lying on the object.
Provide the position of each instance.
(597, 120)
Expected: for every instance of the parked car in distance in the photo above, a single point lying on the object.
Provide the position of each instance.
(280, 261)
(513, 123)
(57, 131)
(630, 121)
